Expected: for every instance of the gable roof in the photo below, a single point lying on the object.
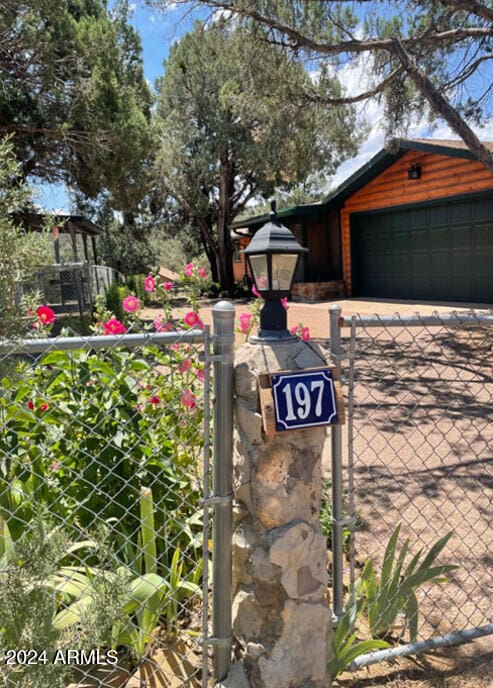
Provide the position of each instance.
(371, 169)
(390, 154)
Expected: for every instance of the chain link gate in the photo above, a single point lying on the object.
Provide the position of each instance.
(105, 500)
(418, 454)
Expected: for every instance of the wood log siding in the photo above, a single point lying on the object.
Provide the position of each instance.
(442, 176)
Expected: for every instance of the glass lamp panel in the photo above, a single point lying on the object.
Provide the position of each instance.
(283, 267)
(260, 271)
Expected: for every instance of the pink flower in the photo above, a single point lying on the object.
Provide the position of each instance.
(160, 325)
(54, 466)
(131, 304)
(203, 273)
(188, 399)
(246, 322)
(138, 407)
(155, 400)
(150, 283)
(114, 326)
(44, 407)
(256, 292)
(45, 315)
(168, 286)
(192, 320)
(200, 375)
(30, 405)
(184, 366)
(294, 330)
(305, 334)
(284, 302)
(189, 269)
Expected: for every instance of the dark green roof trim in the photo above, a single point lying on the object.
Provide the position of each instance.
(437, 149)
(308, 210)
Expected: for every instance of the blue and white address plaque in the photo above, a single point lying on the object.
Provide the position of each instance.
(304, 399)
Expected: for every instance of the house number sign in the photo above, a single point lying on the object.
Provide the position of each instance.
(304, 399)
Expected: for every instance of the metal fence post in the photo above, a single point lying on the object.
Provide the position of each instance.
(337, 515)
(223, 314)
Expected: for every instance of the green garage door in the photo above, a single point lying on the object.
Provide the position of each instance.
(436, 252)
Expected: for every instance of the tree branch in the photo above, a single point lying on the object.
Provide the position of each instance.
(440, 105)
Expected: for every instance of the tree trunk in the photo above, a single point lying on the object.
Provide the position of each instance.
(440, 105)
(225, 245)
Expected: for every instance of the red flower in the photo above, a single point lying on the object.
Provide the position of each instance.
(131, 304)
(246, 322)
(192, 320)
(114, 326)
(44, 407)
(150, 283)
(30, 405)
(189, 269)
(168, 286)
(45, 315)
(155, 400)
(305, 334)
(184, 366)
(188, 399)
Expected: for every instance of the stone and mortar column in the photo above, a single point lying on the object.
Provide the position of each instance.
(281, 617)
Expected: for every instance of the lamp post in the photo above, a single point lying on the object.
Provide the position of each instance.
(273, 255)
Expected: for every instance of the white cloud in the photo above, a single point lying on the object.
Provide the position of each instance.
(371, 113)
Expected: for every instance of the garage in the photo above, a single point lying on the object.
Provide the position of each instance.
(439, 251)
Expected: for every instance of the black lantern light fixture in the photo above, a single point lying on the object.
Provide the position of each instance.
(273, 255)
(414, 172)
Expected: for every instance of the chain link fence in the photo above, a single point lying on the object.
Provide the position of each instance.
(104, 537)
(69, 287)
(420, 457)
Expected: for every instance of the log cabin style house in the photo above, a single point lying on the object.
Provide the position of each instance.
(415, 222)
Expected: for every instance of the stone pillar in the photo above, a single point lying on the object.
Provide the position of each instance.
(281, 617)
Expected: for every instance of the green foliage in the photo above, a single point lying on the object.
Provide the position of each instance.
(382, 598)
(82, 432)
(74, 96)
(19, 251)
(35, 584)
(114, 297)
(345, 643)
(394, 592)
(144, 594)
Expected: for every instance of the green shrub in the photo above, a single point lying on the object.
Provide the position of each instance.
(82, 432)
(114, 297)
(393, 593)
(135, 283)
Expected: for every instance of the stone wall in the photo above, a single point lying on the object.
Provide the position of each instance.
(317, 291)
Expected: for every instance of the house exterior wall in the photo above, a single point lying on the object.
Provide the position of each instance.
(442, 176)
(239, 259)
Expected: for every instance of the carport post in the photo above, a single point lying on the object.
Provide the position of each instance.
(335, 312)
